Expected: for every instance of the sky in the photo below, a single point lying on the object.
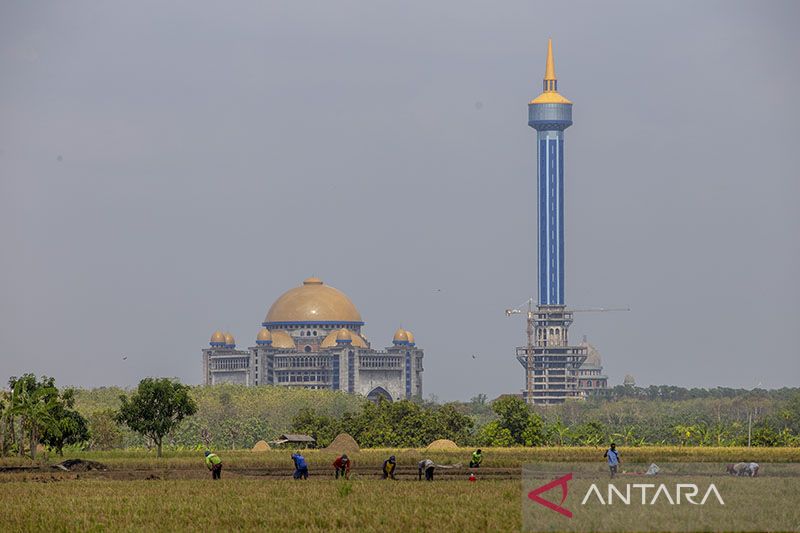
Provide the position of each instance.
(167, 169)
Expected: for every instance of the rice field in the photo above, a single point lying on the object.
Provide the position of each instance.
(139, 492)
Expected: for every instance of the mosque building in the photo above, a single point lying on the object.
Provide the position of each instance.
(312, 338)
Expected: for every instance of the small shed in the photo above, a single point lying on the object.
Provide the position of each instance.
(294, 440)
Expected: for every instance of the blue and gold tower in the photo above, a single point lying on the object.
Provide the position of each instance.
(551, 364)
(550, 114)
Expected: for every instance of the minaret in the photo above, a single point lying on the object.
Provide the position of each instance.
(550, 114)
(551, 364)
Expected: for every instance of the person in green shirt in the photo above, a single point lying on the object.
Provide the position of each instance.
(477, 458)
(214, 463)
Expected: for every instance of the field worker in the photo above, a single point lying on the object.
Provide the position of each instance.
(428, 467)
(342, 465)
(388, 467)
(613, 459)
(214, 463)
(743, 469)
(300, 466)
(477, 457)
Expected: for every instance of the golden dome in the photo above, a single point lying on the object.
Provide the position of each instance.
(400, 336)
(281, 339)
(264, 336)
(410, 337)
(217, 339)
(313, 302)
(229, 340)
(342, 334)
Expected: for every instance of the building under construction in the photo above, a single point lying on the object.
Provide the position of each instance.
(554, 369)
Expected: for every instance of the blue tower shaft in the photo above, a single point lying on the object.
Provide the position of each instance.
(551, 216)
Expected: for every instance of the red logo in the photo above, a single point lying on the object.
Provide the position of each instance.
(534, 495)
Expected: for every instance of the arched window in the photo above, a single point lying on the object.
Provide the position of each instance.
(307, 349)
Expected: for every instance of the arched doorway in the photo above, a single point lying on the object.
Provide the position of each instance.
(377, 393)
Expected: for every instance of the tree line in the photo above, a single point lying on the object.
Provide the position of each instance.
(163, 412)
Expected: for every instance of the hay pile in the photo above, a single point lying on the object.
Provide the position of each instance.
(261, 446)
(442, 444)
(343, 443)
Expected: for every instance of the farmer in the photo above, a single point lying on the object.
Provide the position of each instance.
(342, 465)
(613, 459)
(388, 467)
(300, 466)
(477, 458)
(214, 463)
(428, 467)
(743, 469)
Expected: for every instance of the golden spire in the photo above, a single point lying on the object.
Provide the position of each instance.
(550, 94)
(550, 70)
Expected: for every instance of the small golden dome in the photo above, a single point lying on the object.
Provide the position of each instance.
(355, 339)
(410, 337)
(217, 339)
(264, 337)
(400, 336)
(343, 335)
(313, 302)
(281, 339)
(229, 340)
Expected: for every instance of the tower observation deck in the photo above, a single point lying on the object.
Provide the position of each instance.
(551, 364)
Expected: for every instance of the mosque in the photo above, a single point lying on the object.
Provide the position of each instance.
(312, 338)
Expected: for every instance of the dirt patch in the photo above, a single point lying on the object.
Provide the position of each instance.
(442, 444)
(261, 446)
(343, 443)
(79, 465)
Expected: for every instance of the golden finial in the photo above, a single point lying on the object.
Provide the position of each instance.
(550, 94)
(550, 70)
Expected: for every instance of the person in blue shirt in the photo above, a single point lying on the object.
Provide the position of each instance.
(613, 459)
(300, 466)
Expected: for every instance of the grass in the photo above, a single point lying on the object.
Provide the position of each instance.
(233, 504)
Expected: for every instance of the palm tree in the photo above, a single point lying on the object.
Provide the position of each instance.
(33, 406)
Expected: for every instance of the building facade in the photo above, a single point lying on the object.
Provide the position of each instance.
(553, 367)
(591, 380)
(312, 337)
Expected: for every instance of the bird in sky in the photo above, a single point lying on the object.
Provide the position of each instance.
(474, 356)
(124, 357)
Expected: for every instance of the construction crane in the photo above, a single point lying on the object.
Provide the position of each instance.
(529, 330)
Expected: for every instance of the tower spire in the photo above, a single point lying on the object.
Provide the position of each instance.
(550, 70)
(550, 84)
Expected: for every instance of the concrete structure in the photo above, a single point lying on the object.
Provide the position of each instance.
(591, 379)
(312, 338)
(552, 365)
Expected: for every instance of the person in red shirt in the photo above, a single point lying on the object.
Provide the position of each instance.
(342, 466)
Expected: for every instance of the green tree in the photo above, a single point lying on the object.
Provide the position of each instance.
(493, 434)
(526, 428)
(67, 427)
(104, 432)
(157, 407)
(33, 401)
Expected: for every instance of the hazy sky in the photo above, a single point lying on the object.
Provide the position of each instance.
(167, 169)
